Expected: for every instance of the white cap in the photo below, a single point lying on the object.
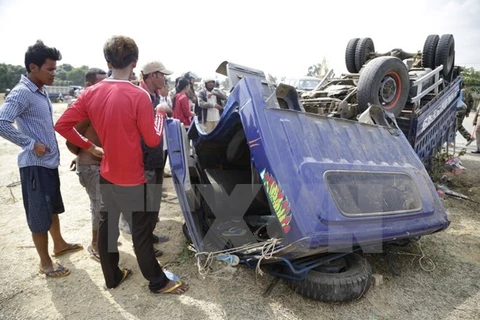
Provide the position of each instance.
(155, 66)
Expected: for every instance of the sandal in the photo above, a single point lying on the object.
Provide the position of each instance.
(126, 273)
(58, 272)
(71, 248)
(93, 253)
(178, 288)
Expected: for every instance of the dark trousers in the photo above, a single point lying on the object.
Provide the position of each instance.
(130, 201)
(154, 192)
(165, 155)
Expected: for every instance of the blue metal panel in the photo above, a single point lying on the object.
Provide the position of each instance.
(435, 123)
(293, 150)
(298, 148)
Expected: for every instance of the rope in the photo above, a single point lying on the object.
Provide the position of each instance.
(268, 249)
(425, 263)
(203, 269)
(267, 252)
(427, 260)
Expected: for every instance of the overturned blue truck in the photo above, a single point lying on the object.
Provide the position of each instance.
(283, 185)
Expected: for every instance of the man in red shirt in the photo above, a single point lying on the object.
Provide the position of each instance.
(121, 113)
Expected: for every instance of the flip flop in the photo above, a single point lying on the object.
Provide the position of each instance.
(126, 273)
(178, 285)
(94, 254)
(55, 272)
(71, 248)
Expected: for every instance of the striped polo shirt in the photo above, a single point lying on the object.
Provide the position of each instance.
(30, 108)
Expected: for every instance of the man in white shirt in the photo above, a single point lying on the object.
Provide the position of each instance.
(210, 101)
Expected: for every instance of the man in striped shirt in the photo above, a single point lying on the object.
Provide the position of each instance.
(29, 106)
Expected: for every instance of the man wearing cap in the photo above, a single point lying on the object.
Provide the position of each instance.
(153, 80)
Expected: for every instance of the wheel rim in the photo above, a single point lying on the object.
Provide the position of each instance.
(389, 90)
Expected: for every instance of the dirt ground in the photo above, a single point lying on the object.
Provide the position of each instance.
(450, 291)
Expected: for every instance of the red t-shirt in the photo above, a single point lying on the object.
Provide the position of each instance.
(181, 109)
(120, 113)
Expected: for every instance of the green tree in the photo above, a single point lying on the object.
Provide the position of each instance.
(67, 67)
(471, 77)
(77, 75)
(3, 77)
(10, 75)
(61, 74)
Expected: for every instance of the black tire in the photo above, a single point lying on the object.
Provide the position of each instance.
(362, 51)
(445, 55)
(429, 51)
(383, 82)
(349, 284)
(350, 55)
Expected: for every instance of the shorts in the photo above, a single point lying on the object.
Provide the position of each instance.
(89, 176)
(41, 196)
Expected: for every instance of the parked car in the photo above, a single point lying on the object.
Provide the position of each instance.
(302, 84)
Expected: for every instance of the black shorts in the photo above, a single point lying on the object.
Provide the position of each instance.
(41, 196)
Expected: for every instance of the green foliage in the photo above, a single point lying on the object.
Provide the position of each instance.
(435, 165)
(10, 75)
(67, 67)
(66, 75)
(184, 256)
(471, 77)
(61, 74)
(77, 76)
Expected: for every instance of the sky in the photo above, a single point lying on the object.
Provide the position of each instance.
(282, 38)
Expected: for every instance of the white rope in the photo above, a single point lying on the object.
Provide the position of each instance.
(267, 252)
(425, 263)
(267, 248)
(427, 260)
(203, 269)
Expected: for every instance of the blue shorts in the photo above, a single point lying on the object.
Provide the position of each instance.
(41, 196)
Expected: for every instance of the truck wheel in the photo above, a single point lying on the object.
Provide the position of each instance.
(350, 55)
(383, 82)
(362, 52)
(344, 279)
(429, 51)
(445, 55)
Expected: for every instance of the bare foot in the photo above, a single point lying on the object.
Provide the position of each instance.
(174, 287)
